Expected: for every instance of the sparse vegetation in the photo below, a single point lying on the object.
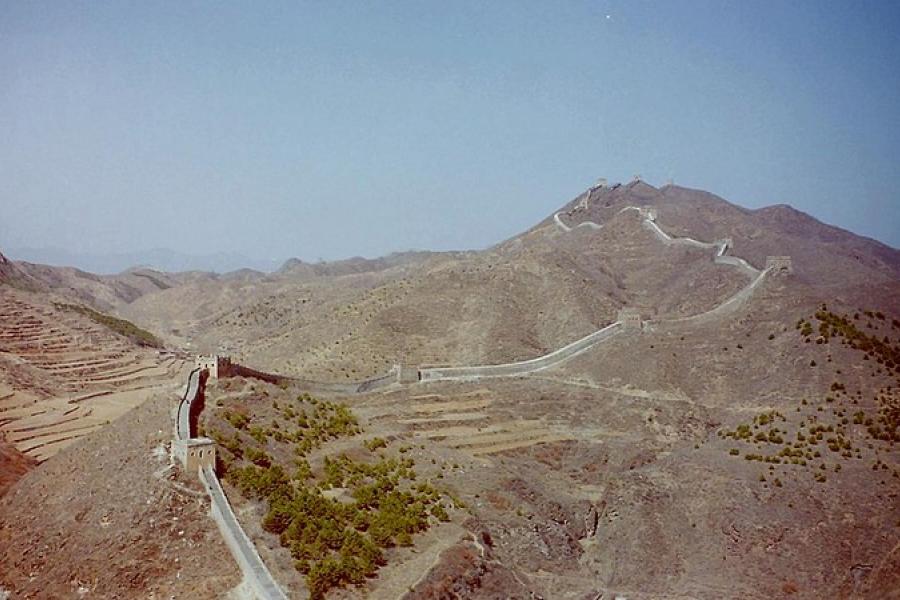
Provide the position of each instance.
(114, 324)
(836, 430)
(335, 540)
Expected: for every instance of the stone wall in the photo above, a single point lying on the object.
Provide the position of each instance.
(198, 455)
(406, 374)
(192, 452)
(256, 576)
(523, 367)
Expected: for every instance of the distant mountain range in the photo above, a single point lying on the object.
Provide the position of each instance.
(161, 259)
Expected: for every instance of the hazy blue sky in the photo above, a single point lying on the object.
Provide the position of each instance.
(331, 129)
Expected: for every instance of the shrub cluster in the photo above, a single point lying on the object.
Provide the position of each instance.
(335, 540)
(120, 326)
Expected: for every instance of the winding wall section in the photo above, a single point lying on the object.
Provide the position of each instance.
(257, 577)
(183, 419)
(589, 341)
(258, 581)
(526, 366)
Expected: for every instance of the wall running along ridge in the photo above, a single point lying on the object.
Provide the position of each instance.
(589, 341)
(526, 366)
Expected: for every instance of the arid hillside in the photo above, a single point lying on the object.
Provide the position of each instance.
(522, 298)
(825, 256)
(700, 453)
(67, 370)
(108, 518)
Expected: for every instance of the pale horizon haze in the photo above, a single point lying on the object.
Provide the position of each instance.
(256, 132)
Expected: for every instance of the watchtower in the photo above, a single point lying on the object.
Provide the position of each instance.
(630, 318)
(406, 374)
(779, 264)
(195, 453)
(217, 365)
(636, 178)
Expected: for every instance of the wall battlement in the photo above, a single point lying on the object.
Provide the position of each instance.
(630, 319)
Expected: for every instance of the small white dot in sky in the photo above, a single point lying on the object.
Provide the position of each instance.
(608, 17)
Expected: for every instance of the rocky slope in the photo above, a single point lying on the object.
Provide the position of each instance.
(104, 518)
(747, 455)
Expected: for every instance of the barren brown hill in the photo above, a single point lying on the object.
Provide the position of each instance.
(522, 298)
(67, 370)
(747, 453)
(824, 255)
(106, 518)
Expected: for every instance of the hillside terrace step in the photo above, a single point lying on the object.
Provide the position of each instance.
(92, 366)
(25, 322)
(84, 397)
(15, 414)
(20, 326)
(37, 340)
(48, 331)
(36, 351)
(26, 429)
(78, 357)
(26, 314)
(56, 350)
(13, 402)
(22, 333)
(30, 345)
(122, 376)
(103, 363)
(93, 374)
(29, 446)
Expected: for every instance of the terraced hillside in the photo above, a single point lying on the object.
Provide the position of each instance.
(64, 375)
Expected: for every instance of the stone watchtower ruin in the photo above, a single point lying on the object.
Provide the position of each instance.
(196, 453)
(779, 264)
(216, 365)
(630, 319)
(407, 373)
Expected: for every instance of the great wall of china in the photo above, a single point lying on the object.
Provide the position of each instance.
(626, 318)
(626, 321)
(197, 454)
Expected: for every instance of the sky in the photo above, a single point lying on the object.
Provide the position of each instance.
(324, 130)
